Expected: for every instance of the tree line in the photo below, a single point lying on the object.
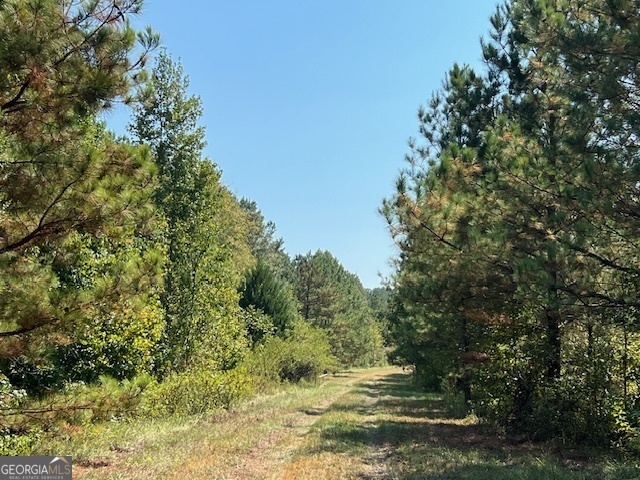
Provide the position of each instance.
(517, 221)
(131, 278)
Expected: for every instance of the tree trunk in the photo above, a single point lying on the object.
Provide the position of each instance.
(465, 380)
(554, 343)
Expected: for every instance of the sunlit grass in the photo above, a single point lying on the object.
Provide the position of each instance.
(388, 429)
(144, 448)
(363, 425)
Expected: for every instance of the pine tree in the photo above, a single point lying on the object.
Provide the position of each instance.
(61, 173)
(333, 299)
(516, 211)
(72, 196)
(264, 291)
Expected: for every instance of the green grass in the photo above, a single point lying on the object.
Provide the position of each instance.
(415, 435)
(144, 448)
(206, 446)
(368, 424)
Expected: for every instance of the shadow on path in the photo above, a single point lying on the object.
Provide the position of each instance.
(410, 433)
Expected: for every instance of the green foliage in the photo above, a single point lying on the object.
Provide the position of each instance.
(263, 291)
(108, 191)
(303, 354)
(60, 172)
(258, 325)
(196, 391)
(112, 329)
(106, 400)
(122, 344)
(379, 300)
(13, 442)
(264, 245)
(74, 201)
(334, 299)
(515, 226)
(78, 404)
(119, 261)
(22, 444)
(356, 339)
(204, 227)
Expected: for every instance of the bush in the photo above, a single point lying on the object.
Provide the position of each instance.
(18, 444)
(196, 391)
(118, 343)
(303, 354)
(13, 442)
(513, 393)
(24, 419)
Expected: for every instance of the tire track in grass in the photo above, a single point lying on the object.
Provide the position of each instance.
(252, 442)
(384, 429)
(364, 425)
(346, 442)
(267, 456)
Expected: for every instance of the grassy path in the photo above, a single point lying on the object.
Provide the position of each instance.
(367, 424)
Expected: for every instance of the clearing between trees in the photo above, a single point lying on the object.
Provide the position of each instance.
(363, 424)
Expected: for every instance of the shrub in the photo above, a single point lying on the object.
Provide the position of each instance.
(13, 442)
(24, 419)
(303, 354)
(196, 391)
(513, 393)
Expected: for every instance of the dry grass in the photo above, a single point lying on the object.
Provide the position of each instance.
(251, 442)
(385, 429)
(367, 424)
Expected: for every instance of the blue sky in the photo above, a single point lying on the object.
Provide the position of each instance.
(308, 104)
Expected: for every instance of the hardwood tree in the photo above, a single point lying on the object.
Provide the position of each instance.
(205, 227)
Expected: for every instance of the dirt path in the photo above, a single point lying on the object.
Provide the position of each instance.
(366, 425)
(384, 429)
(346, 441)
(275, 448)
(257, 441)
